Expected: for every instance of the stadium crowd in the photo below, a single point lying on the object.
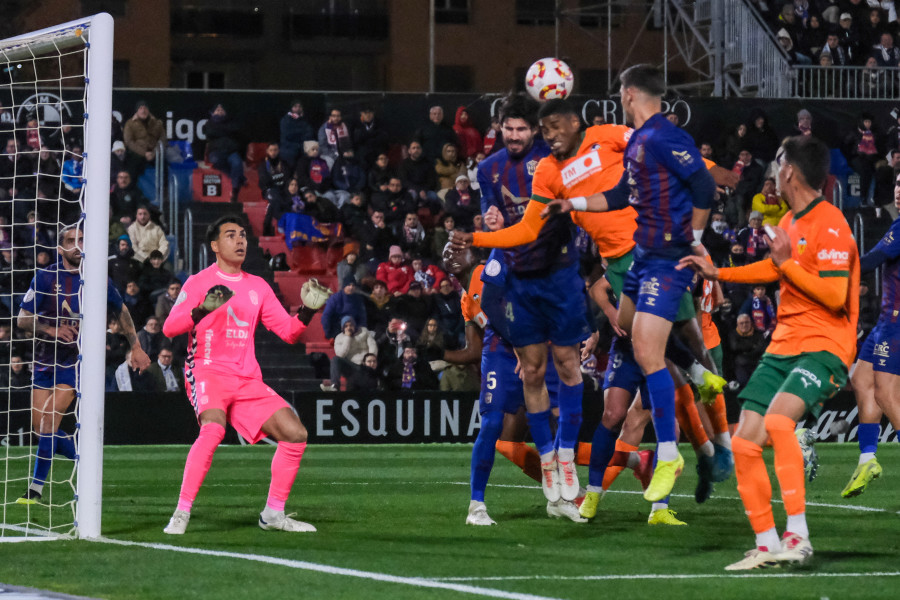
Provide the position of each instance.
(397, 310)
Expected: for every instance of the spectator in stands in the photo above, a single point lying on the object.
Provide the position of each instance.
(430, 344)
(835, 51)
(869, 309)
(440, 236)
(151, 337)
(121, 266)
(116, 349)
(143, 133)
(745, 347)
(761, 310)
(415, 307)
(449, 314)
(350, 265)
(892, 138)
(347, 176)
(125, 197)
(493, 139)
(366, 377)
(850, 38)
(224, 148)
(295, 130)
(155, 276)
(354, 216)
(733, 144)
(751, 180)
(379, 174)
(165, 379)
(706, 151)
(31, 134)
(390, 343)
(769, 203)
(813, 38)
(435, 134)
(12, 165)
(378, 239)
(870, 30)
(116, 160)
(789, 47)
(883, 198)
(788, 22)
(761, 140)
(66, 136)
(804, 123)
(273, 178)
(395, 203)
(334, 137)
(448, 167)
(886, 53)
(470, 140)
(351, 345)
(73, 172)
(862, 150)
(146, 236)
(430, 276)
(319, 207)
(395, 273)
(369, 138)
(132, 380)
(752, 238)
(139, 307)
(166, 301)
(718, 238)
(19, 373)
(345, 303)
(411, 372)
(418, 175)
(411, 235)
(378, 307)
(462, 202)
(472, 170)
(873, 81)
(830, 10)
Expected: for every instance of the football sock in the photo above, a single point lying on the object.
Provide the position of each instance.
(662, 400)
(602, 448)
(569, 414)
(718, 415)
(661, 505)
(868, 439)
(620, 459)
(539, 423)
(44, 457)
(753, 484)
(521, 455)
(483, 453)
(583, 454)
(285, 464)
(797, 524)
(788, 463)
(65, 445)
(688, 417)
(198, 462)
(768, 539)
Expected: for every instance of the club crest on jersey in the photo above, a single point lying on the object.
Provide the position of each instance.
(495, 177)
(531, 166)
(581, 168)
(254, 297)
(801, 245)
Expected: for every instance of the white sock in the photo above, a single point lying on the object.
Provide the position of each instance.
(667, 451)
(723, 439)
(549, 456)
(707, 449)
(634, 460)
(595, 488)
(268, 513)
(696, 372)
(866, 457)
(769, 539)
(565, 454)
(37, 487)
(797, 524)
(474, 504)
(659, 506)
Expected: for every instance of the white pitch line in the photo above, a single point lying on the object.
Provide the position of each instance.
(331, 570)
(754, 575)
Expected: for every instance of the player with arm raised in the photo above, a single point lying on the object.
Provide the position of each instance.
(814, 257)
(51, 313)
(220, 308)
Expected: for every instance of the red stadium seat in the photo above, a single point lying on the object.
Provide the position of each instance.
(308, 259)
(274, 244)
(256, 153)
(256, 213)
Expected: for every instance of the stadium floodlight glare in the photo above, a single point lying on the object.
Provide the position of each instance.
(57, 85)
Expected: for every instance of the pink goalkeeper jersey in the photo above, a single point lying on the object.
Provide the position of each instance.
(223, 340)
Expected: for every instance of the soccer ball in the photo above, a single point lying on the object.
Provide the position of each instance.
(549, 78)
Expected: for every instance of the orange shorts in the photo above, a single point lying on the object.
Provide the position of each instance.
(248, 403)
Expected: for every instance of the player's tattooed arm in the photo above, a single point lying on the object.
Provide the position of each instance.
(139, 358)
(28, 322)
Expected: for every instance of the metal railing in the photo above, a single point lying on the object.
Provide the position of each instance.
(173, 213)
(189, 241)
(859, 233)
(159, 163)
(750, 45)
(856, 83)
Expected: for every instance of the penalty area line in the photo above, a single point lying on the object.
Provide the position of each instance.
(331, 570)
(650, 576)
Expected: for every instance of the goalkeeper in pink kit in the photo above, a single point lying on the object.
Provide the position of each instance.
(220, 307)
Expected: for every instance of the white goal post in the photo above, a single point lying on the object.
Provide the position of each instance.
(89, 88)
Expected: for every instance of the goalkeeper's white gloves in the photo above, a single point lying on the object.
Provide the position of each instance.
(314, 296)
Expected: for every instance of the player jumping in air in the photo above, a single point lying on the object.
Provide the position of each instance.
(51, 312)
(220, 306)
(666, 181)
(814, 256)
(876, 376)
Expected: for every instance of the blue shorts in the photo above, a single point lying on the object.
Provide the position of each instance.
(656, 287)
(552, 308)
(882, 348)
(48, 377)
(501, 388)
(622, 371)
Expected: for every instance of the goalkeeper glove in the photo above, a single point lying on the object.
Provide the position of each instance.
(216, 296)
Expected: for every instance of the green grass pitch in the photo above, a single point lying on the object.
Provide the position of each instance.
(391, 525)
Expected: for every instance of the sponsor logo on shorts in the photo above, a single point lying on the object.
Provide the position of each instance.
(650, 288)
(882, 349)
(808, 378)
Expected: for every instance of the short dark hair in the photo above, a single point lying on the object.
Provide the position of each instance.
(557, 106)
(811, 157)
(212, 233)
(647, 78)
(520, 106)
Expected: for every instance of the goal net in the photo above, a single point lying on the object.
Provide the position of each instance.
(56, 96)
